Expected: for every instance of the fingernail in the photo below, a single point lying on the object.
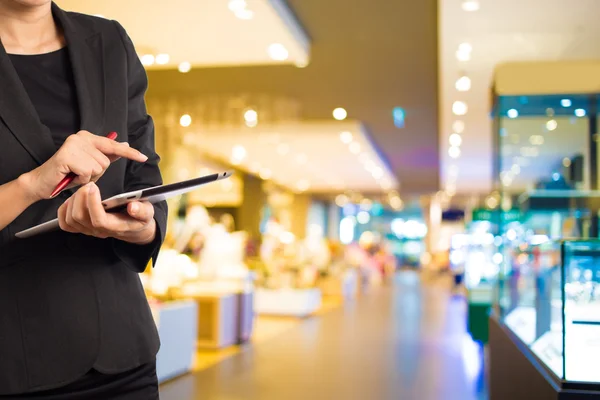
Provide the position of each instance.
(145, 157)
(126, 144)
(135, 208)
(91, 188)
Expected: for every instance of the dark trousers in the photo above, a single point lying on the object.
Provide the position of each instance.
(138, 384)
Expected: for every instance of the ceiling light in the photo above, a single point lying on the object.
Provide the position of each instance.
(470, 5)
(185, 120)
(377, 173)
(454, 152)
(566, 162)
(283, 149)
(346, 137)
(464, 52)
(265, 173)
(580, 112)
(551, 125)
(463, 84)
(244, 14)
(278, 52)
(550, 112)
(465, 48)
(184, 67)
(303, 185)
(455, 140)
(463, 56)
(458, 126)
(237, 5)
(354, 148)
(162, 59)
(556, 177)
(398, 114)
(301, 158)
(512, 113)
(566, 103)
(147, 59)
(340, 114)
(459, 108)
(251, 118)
(238, 152)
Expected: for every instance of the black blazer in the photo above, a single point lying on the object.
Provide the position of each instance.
(70, 303)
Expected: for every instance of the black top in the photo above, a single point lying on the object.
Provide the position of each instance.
(48, 80)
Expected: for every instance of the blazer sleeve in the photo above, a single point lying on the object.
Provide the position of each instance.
(140, 175)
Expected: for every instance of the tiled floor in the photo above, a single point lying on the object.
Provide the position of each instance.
(403, 341)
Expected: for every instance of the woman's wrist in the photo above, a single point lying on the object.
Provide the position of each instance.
(143, 237)
(26, 187)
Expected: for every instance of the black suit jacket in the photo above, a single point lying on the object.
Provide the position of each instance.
(70, 303)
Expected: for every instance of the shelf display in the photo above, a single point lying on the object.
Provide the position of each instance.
(177, 326)
(557, 308)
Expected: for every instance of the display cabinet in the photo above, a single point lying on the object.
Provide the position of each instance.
(549, 308)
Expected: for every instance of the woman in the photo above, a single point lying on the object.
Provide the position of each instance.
(74, 321)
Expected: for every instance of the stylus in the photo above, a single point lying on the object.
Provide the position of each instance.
(70, 177)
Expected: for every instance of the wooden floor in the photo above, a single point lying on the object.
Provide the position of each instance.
(406, 340)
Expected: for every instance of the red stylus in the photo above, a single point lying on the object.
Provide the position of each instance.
(70, 177)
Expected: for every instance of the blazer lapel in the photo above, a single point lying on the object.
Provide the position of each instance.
(19, 114)
(85, 51)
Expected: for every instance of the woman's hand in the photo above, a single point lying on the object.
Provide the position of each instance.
(84, 213)
(84, 154)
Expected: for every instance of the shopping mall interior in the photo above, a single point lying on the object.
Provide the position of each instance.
(414, 206)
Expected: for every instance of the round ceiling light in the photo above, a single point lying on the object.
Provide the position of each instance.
(346, 137)
(512, 113)
(455, 140)
(551, 125)
(580, 112)
(278, 52)
(184, 67)
(459, 108)
(463, 84)
(147, 60)
(470, 5)
(458, 126)
(340, 114)
(454, 152)
(185, 120)
(162, 59)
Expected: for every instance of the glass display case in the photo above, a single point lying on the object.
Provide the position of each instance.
(551, 302)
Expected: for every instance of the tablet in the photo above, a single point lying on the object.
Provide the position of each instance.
(119, 202)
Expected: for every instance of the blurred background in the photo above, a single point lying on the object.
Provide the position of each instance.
(414, 210)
